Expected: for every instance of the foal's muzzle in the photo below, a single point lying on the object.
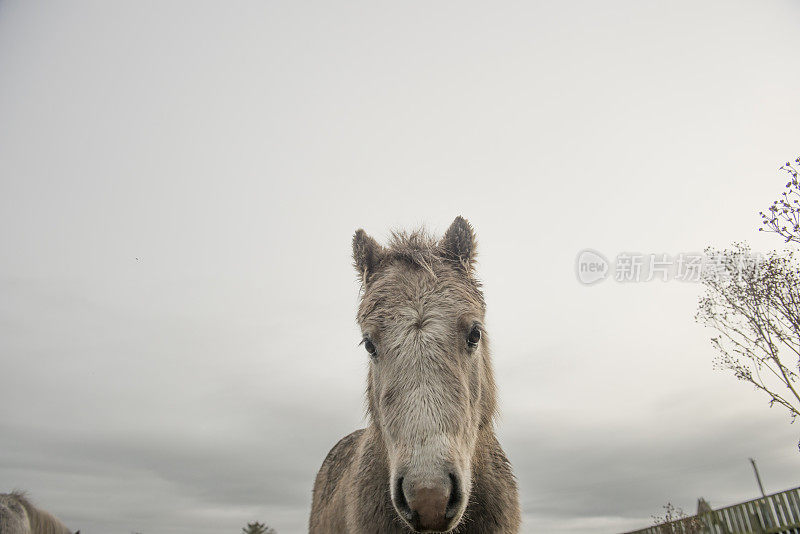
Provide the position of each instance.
(429, 506)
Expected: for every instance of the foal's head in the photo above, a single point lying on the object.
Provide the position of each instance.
(430, 384)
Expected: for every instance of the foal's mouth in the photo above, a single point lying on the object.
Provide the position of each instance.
(429, 507)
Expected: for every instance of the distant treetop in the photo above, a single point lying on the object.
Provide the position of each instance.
(258, 528)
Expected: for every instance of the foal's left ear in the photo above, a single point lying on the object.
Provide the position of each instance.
(459, 243)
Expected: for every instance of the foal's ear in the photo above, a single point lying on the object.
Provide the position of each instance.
(367, 254)
(459, 243)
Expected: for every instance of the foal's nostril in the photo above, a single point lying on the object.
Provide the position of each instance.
(454, 502)
(400, 500)
(428, 506)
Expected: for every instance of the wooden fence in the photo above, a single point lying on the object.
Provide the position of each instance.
(778, 513)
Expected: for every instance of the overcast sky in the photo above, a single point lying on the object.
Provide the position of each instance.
(180, 182)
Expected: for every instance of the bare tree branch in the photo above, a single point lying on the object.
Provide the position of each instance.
(753, 304)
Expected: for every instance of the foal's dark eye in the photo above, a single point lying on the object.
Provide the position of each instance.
(370, 346)
(474, 337)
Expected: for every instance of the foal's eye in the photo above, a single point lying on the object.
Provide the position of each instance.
(370, 346)
(474, 337)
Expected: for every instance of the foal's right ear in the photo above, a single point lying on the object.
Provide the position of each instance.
(367, 254)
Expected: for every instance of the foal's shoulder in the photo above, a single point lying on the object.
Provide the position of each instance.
(338, 459)
(341, 454)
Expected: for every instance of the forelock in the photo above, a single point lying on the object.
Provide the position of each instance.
(418, 248)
